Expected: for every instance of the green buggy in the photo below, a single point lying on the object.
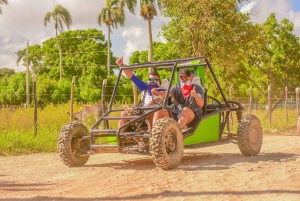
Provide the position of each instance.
(166, 141)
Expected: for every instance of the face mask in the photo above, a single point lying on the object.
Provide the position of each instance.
(150, 87)
(185, 82)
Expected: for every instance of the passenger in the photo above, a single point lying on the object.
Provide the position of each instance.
(189, 101)
(145, 89)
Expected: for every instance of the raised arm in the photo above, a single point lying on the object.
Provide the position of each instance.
(128, 73)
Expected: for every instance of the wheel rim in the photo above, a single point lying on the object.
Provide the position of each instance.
(77, 145)
(253, 136)
(170, 142)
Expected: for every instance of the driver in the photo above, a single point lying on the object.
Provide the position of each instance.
(189, 99)
(145, 89)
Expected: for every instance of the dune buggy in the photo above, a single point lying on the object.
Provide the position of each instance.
(166, 141)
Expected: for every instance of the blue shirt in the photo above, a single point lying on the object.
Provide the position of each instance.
(143, 87)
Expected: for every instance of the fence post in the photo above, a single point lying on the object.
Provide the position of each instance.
(250, 100)
(269, 105)
(103, 101)
(286, 104)
(72, 99)
(297, 101)
(35, 104)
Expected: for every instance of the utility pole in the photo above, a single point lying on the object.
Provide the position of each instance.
(27, 74)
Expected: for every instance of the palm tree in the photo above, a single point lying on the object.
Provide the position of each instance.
(60, 15)
(112, 15)
(148, 12)
(130, 5)
(3, 2)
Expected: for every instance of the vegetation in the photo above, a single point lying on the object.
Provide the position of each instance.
(111, 15)
(258, 55)
(247, 54)
(60, 15)
(17, 127)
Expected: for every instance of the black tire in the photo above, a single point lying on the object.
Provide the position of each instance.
(70, 145)
(249, 135)
(166, 143)
(298, 125)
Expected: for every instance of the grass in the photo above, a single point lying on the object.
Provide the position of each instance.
(17, 128)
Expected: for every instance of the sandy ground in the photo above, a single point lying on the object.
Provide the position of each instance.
(216, 172)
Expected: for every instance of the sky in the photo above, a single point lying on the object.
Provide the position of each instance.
(23, 20)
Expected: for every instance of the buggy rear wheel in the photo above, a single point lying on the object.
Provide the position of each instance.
(71, 147)
(166, 143)
(249, 135)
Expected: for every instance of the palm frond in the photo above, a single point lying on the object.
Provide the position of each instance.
(60, 15)
(47, 18)
(111, 15)
(60, 25)
(20, 55)
(131, 4)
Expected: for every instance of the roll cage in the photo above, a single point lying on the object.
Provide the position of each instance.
(139, 114)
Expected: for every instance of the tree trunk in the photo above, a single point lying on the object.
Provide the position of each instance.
(60, 56)
(108, 51)
(150, 45)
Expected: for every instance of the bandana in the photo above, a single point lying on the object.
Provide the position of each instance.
(186, 90)
(150, 87)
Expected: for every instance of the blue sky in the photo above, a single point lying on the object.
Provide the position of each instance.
(296, 5)
(23, 20)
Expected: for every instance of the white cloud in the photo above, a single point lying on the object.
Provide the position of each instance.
(248, 7)
(135, 40)
(22, 20)
(261, 10)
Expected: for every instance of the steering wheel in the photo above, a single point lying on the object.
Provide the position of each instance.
(157, 100)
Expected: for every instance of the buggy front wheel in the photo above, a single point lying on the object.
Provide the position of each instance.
(166, 143)
(71, 147)
(249, 135)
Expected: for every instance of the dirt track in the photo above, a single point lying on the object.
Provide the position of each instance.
(217, 172)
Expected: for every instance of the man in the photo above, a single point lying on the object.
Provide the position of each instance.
(189, 99)
(145, 88)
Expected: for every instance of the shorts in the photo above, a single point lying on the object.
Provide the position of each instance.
(192, 123)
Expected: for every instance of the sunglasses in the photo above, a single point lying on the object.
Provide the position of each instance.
(153, 80)
(183, 77)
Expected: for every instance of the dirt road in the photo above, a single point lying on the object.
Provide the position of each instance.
(217, 172)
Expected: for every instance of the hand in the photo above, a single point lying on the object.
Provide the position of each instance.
(119, 62)
(154, 91)
(193, 92)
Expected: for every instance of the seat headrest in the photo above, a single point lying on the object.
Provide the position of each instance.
(164, 84)
(197, 81)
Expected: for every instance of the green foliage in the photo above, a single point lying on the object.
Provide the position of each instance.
(111, 15)
(195, 29)
(6, 72)
(17, 130)
(84, 57)
(12, 89)
(246, 54)
(60, 15)
(162, 52)
(81, 49)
